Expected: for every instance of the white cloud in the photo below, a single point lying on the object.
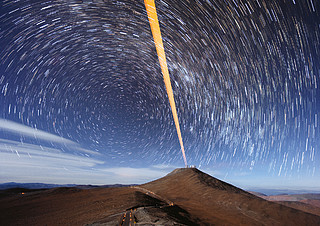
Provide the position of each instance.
(62, 168)
(33, 163)
(28, 131)
(165, 167)
(135, 174)
(23, 162)
(87, 151)
(15, 153)
(34, 133)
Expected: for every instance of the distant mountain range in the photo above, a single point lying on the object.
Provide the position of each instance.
(10, 185)
(32, 185)
(256, 191)
(268, 192)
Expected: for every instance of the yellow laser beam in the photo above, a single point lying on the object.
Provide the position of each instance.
(155, 28)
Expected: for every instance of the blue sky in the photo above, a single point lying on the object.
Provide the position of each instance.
(29, 162)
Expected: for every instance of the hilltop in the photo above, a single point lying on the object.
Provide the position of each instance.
(213, 201)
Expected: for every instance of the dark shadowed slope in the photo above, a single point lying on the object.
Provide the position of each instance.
(65, 206)
(212, 201)
(97, 206)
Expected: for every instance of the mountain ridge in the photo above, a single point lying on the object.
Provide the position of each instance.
(10, 185)
(216, 199)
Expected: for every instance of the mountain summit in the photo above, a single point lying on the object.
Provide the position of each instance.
(214, 202)
(185, 196)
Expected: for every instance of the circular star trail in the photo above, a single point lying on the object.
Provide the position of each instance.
(245, 76)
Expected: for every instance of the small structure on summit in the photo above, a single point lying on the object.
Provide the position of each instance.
(191, 166)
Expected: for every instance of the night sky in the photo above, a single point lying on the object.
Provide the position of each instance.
(83, 99)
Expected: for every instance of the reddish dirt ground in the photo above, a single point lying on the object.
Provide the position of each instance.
(197, 199)
(212, 201)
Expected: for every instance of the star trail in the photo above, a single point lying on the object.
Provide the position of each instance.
(245, 78)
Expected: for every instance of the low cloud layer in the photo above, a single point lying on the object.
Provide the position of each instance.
(32, 163)
(25, 162)
(28, 131)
